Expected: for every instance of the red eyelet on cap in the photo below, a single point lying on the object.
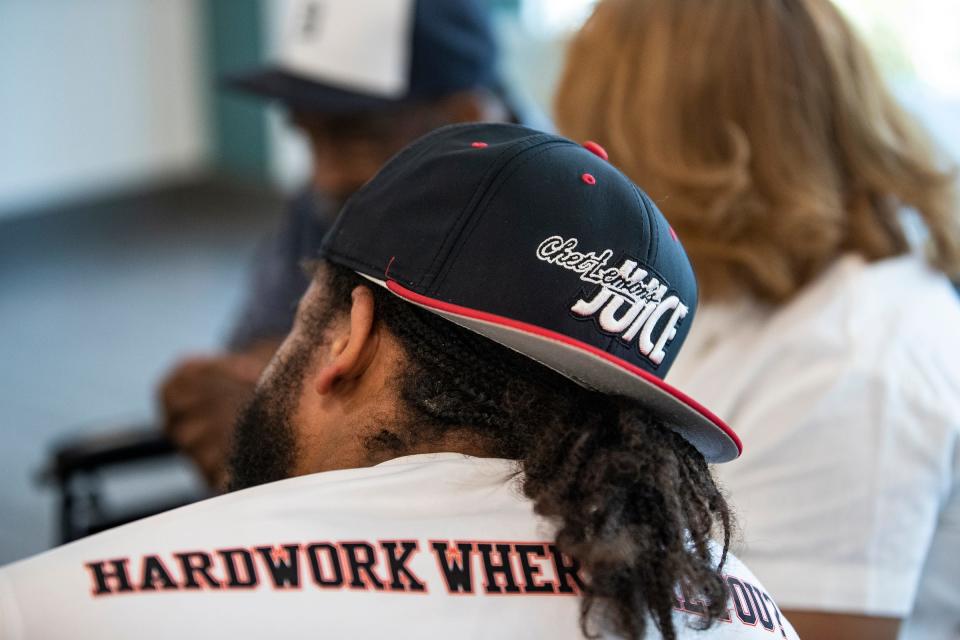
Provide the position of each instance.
(479, 145)
(589, 179)
(596, 149)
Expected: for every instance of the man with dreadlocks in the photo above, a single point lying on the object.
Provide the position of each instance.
(465, 435)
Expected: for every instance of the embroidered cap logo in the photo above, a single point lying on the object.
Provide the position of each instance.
(630, 303)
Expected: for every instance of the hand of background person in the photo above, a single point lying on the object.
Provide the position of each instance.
(200, 399)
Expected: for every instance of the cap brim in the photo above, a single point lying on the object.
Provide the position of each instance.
(299, 92)
(595, 369)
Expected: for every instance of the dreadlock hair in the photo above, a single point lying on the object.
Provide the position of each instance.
(632, 501)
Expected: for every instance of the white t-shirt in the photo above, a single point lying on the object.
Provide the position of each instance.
(848, 403)
(426, 546)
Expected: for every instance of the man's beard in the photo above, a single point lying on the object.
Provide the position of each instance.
(264, 443)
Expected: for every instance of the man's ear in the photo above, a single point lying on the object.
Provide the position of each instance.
(352, 352)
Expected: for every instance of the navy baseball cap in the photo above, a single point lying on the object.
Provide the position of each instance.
(342, 56)
(542, 245)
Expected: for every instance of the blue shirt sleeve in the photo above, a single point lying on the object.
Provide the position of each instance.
(277, 280)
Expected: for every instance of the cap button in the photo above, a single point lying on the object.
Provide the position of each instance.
(596, 149)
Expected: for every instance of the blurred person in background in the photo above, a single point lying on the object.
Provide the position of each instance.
(360, 80)
(823, 228)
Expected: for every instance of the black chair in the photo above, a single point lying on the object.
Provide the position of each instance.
(76, 468)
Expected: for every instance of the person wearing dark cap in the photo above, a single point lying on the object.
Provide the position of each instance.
(361, 78)
(466, 434)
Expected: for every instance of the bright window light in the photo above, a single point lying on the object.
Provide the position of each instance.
(914, 40)
(553, 17)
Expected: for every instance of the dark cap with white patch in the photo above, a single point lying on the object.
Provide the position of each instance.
(539, 244)
(350, 56)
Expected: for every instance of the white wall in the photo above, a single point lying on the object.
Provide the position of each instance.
(97, 95)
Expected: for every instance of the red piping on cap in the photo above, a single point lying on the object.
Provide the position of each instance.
(466, 312)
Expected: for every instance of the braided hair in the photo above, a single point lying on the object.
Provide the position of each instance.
(633, 502)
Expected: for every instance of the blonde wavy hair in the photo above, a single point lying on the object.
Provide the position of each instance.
(763, 130)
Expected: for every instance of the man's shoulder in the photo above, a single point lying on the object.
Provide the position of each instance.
(435, 526)
(417, 490)
(187, 527)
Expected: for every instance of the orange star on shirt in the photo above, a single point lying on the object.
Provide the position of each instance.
(453, 555)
